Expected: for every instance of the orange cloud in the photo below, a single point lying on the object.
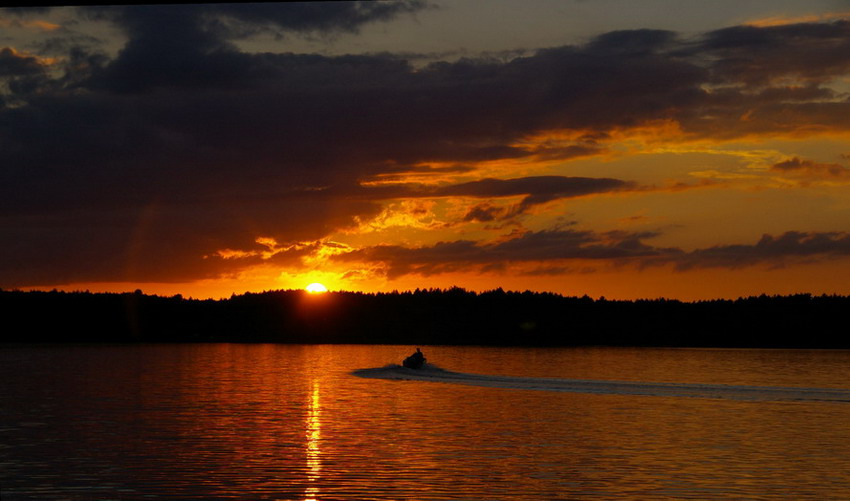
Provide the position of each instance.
(809, 18)
(416, 214)
(37, 24)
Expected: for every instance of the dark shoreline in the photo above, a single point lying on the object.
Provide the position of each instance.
(427, 317)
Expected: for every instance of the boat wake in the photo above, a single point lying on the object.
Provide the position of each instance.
(432, 373)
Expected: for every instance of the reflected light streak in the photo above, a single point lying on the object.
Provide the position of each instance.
(314, 463)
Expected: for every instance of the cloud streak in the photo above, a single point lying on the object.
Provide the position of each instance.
(553, 250)
(771, 250)
(530, 247)
(810, 169)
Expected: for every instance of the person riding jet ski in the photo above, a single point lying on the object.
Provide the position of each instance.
(415, 361)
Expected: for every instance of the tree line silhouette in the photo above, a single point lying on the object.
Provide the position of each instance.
(425, 316)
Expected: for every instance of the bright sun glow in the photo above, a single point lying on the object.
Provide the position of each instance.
(316, 288)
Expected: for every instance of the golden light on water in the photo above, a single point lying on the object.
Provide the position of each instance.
(314, 464)
(316, 288)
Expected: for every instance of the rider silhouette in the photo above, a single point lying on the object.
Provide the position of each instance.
(416, 360)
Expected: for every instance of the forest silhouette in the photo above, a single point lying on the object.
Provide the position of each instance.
(425, 317)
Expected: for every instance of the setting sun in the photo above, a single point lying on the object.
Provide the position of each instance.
(316, 288)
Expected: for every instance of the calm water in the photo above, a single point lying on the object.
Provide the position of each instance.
(298, 422)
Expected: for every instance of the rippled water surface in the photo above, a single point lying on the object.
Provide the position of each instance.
(342, 422)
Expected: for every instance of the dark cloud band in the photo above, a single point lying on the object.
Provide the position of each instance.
(553, 247)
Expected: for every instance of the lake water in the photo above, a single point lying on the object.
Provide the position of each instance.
(224, 421)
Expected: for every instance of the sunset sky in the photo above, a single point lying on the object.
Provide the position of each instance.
(613, 148)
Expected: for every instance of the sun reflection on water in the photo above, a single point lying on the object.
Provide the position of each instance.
(313, 432)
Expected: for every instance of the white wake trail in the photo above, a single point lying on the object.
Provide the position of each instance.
(431, 373)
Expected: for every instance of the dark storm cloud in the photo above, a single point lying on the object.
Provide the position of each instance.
(168, 46)
(541, 246)
(622, 248)
(136, 167)
(640, 42)
(190, 45)
(218, 18)
(312, 16)
(774, 79)
(483, 213)
(808, 168)
(22, 74)
(535, 190)
(25, 10)
(770, 250)
(540, 187)
(755, 55)
(13, 63)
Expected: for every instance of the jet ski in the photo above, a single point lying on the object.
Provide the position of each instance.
(415, 361)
